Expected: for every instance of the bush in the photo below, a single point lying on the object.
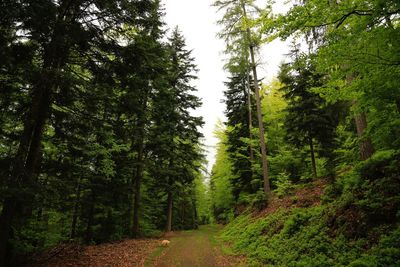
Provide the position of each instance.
(283, 184)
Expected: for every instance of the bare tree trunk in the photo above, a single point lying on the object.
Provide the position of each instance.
(89, 230)
(314, 167)
(138, 176)
(195, 219)
(267, 189)
(76, 207)
(183, 214)
(366, 147)
(138, 182)
(250, 117)
(168, 227)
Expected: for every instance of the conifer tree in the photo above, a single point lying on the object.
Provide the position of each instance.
(174, 133)
(309, 119)
(243, 44)
(237, 113)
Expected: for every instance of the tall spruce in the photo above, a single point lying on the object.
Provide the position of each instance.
(63, 42)
(238, 125)
(242, 43)
(174, 132)
(310, 120)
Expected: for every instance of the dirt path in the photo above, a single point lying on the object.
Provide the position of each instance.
(189, 249)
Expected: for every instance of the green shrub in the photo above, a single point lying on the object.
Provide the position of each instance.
(284, 185)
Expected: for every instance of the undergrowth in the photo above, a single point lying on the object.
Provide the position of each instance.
(356, 225)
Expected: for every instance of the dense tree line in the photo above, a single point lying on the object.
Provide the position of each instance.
(97, 140)
(333, 111)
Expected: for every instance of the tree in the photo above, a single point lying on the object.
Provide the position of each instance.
(67, 50)
(357, 41)
(308, 117)
(174, 134)
(221, 186)
(238, 125)
(238, 30)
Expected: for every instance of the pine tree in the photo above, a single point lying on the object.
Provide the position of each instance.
(242, 44)
(174, 133)
(73, 41)
(309, 119)
(237, 113)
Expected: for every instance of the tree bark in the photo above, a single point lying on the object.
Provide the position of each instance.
(75, 211)
(89, 232)
(138, 176)
(250, 117)
(267, 189)
(137, 186)
(168, 227)
(314, 167)
(183, 214)
(366, 147)
(195, 219)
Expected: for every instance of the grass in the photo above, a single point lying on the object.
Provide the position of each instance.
(154, 255)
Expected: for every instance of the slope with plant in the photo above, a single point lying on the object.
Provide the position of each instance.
(333, 114)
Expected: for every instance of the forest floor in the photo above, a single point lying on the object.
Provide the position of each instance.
(197, 248)
(186, 249)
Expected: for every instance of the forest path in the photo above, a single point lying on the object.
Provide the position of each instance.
(196, 248)
(189, 249)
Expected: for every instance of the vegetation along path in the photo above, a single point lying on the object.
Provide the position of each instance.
(187, 248)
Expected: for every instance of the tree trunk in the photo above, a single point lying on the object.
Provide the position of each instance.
(138, 182)
(9, 211)
(28, 157)
(25, 165)
(267, 189)
(314, 167)
(195, 219)
(250, 117)
(366, 147)
(138, 176)
(89, 232)
(75, 211)
(168, 227)
(183, 214)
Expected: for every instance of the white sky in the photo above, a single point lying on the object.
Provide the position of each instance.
(197, 21)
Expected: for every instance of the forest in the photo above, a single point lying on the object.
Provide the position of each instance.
(99, 142)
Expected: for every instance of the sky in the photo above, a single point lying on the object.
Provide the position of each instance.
(197, 21)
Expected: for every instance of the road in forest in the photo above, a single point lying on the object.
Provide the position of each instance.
(189, 249)
(197, 248)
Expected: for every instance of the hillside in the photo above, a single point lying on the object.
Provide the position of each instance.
(307, 228)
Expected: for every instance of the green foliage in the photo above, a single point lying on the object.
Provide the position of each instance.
(95, 102)
(351, 72)
(283, 185)
(356, 226)
(279, 240)
(222, 199)
(203, 201)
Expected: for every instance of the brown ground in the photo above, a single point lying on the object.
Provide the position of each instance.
(193, 249)
(301, 197)
(122, 254)
(186, 249)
